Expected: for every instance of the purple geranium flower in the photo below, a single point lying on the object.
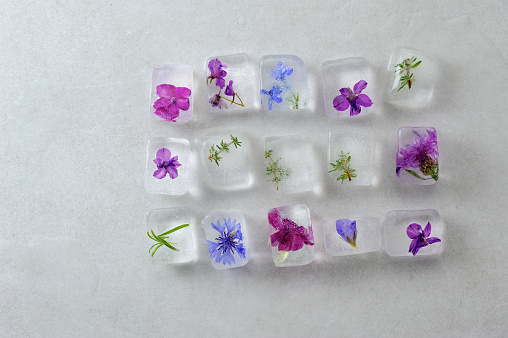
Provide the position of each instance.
(420, 238)
(421, 153)
(290, 236)
(166, 164)
(281, 72)
(217, 73)
(352, 99)
(229, 240)
(172, 100)
(347, 231)
(272, 96)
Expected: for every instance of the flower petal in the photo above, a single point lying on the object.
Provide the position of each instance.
(161, 103)
(164, 154)
(182, 103)
(160, 173)
(229, 89)
(274, 219)
(172, 171)
(431, 240)
(277, 99)
(414, 230)
(412, 246)
(220, 82)
(428, 229)
(182, 92)
(157, 161)
(355, 110)
(359, 86)
(345, 91)
(340, 103)
(166, 91)
(276, 90)
(364, 100)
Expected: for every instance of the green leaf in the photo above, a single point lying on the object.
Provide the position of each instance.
(416, 175)
(416, 64)
(174, 229)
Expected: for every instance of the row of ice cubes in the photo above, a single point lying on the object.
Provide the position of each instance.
(408, 233)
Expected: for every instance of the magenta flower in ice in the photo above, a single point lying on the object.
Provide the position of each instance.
(217, 73)
(166, 164)
(172, 100)
(422, 154)
(290, 236)
(420, 238)
(352, 99)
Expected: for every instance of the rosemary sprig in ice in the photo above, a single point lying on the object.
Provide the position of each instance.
(161, 239)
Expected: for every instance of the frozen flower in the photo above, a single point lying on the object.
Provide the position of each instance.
(290, 236)
(166, 164)
(172, 100)
(216, 101)
(420, 238)
(352, 99)
(281, 72)
(227, 243)
(421, 154)
(347, 231)
(272, 96)
(217, 72)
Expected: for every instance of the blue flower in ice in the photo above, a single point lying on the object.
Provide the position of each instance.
(229, 240)
(272, 96)
(347, 231)
(281, 72)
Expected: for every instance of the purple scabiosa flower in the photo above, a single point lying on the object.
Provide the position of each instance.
(272, 96)
(347, 231)
(172, 100)
(352, 99)
(281, 72)
(166, 164)
(290, 236)
(217, 72)
(420, 238)
(422, 154)
(229, 241)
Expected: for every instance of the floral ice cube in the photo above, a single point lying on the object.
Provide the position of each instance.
(167, 166)
(227, 239)
(349, 236)
(291, 236)
(417, 156)
(171, 93)
(283, 82)
(413, 233)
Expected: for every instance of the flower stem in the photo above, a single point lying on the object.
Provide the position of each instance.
(282, 257)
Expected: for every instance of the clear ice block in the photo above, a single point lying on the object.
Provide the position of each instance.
(350, 236)
(227, 238)
(410, 78)
(352, 153)
(163, 220)
(290, 164)
(230, 83)
(417, 156)
(167, 166)
(283, 82)
(291, 236)
(353, 77)
(171, 93)
(413, 232)
(232, 170)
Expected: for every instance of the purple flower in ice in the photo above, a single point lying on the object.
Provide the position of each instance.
(172, 100)
(421, 154)
(272, 96)
(420, 238)
(216, 101)
(227, 243)
(290, 236)
(352, 99)
(166, 164)
(347, 231)
(229, 90)
(281, 72)
(217, 73)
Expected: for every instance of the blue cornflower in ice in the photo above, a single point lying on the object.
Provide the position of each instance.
(229, 241)
(281, 72)
(347, 231)
(272, 96)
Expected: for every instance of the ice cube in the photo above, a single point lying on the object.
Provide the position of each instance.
(220, 71)
(413, 232)
(227, 238)
(163, 220)
(410, 78)
(353, 235)
(291, 235)
(352, 153)
(169, 174)
(417, 156)
(283, 82)
(353, 74)
(172, 93)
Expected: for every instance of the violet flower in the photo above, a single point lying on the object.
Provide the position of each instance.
(166, 164)
(229, 241)
(217, 72)
(172, 100)
(347, 231)
(290, 236)
(421, 153)
(281, 72)
(420, 238)
(229, 90)
(352, 99)
(216, 101)
(272, 96)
